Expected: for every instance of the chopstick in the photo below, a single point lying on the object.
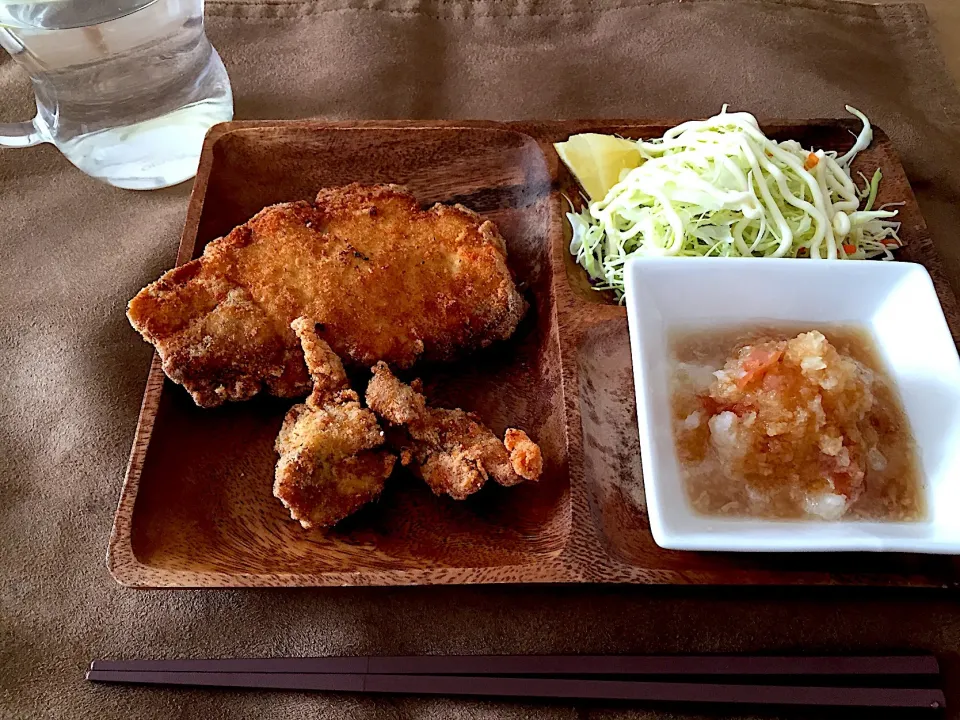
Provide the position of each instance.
(535, 677)
(548, 665)
(538, 687)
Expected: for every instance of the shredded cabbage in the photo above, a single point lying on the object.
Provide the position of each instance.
(720, 187)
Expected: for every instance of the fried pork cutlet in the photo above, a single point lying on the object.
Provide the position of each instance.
(451, 450)
(331, 456)
(383, 279)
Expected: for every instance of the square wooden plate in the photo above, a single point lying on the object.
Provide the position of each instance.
(196, 508)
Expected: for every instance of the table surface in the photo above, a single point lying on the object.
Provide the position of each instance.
(74, 251)
(945, 15)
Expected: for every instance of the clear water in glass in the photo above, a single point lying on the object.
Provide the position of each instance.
(126, 89)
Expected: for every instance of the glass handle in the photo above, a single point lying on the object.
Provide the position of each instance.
(22, 134)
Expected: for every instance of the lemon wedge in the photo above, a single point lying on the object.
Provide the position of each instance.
(598, 160)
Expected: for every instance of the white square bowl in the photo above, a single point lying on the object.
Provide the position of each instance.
(894, 301)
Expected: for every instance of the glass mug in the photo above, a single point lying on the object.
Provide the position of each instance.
(126, 89)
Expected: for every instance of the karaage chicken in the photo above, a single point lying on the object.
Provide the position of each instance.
(451, 450)
(331, 457)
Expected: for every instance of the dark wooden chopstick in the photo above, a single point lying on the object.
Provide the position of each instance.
(550, 665)
(693, 679)
(541, 687)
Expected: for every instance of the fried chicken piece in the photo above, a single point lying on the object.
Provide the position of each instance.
(383, 279)
(451, 450)
(331, 461)
(525, 454)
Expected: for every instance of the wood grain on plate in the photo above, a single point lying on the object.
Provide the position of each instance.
(196, 508)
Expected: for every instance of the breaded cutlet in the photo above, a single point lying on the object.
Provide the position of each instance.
(383, 280)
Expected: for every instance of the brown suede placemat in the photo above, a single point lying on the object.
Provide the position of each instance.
(74, 251)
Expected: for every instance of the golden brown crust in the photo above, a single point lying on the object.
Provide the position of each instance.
(525, 455)
(326, 370)
(451, 450)
(330, 461)
(384, 280)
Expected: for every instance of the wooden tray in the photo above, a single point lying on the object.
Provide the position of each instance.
(196, 508)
